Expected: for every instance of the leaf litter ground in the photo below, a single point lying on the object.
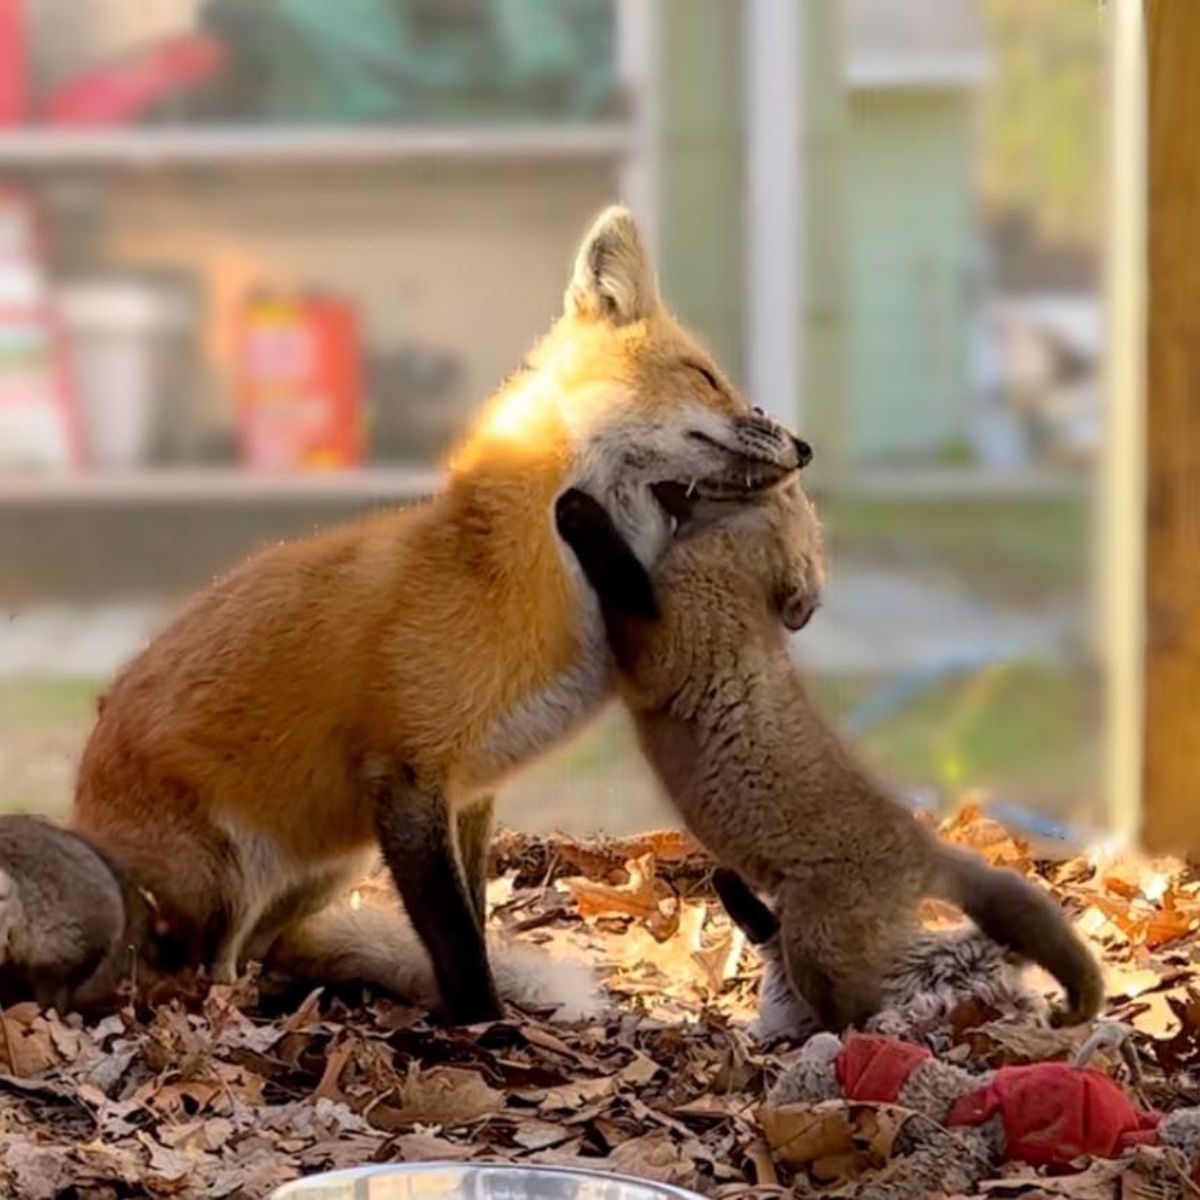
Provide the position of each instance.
(229, 1092)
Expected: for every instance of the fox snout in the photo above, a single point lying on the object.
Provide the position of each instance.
(762, 454)
(761, 435)
(803, 449)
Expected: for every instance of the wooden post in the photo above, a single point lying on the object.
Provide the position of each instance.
(1172, 674)
(1120, 528)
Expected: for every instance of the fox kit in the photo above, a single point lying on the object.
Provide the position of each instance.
(71, 927)
(762, 780)
(372, 684)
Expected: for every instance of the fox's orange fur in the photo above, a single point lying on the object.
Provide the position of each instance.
(373, 681)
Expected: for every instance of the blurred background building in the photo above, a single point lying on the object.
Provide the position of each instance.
(260, 259)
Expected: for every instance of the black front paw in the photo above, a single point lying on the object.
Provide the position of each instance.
(608, 562)
(471, 1009)
(576, 514)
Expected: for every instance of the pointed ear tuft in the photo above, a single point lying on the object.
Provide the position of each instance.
(613, 279)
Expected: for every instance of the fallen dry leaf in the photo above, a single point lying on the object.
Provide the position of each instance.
(428, 1147)
(645, 897)
(759, 1154)
(37, 1172)
(654, 1156)
(571, 1095)
(1027, 1043)
(27, 1046)
(838, 1168)
(970, 828)
(446, 1096)
(1097, 1181)
(335, 1064)
(166, 1164)
(666, 845)
(799, 1134)
(1129, 982)
(640, 1071)
(254, 1088)
(531, 1133)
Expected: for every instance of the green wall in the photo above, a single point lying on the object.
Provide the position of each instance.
(887, 235)
(700, 170)
(908, 260)
(827, 232)
(701, 215)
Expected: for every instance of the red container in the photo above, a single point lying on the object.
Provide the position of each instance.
(299, 384)
(14, 78)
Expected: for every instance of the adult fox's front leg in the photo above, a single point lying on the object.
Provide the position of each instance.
(417, 839)
(474, 829)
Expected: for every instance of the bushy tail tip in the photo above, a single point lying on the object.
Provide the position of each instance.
(377, 944)
(1024, 919)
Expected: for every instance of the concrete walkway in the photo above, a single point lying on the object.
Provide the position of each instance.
(75, 641)
(873, 621)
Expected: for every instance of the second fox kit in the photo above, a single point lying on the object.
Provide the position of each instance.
(369, 686)
(765, 783)
(72, 928)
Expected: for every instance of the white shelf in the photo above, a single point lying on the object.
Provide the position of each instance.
(187, 485)
(192, 485)
(272, 145)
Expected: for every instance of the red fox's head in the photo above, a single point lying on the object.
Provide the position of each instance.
(628, 400)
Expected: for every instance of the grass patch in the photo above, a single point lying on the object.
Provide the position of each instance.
(46, 703)
(42, 727)
(1027, 732)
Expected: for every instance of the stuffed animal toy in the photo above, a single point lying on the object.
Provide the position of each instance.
(1046, 1114)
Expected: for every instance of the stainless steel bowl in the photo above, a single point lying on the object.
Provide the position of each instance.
(475, 1181)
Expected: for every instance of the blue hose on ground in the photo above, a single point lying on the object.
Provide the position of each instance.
(888, 699)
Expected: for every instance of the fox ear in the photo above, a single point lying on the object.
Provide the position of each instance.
(613, 279)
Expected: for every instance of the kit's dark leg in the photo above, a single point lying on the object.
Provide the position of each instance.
(754, 918)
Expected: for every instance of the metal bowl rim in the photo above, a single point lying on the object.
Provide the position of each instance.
(352, 1174)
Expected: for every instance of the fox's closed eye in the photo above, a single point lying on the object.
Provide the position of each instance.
(708, 376)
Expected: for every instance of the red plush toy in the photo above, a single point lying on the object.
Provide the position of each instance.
(1045, 1114)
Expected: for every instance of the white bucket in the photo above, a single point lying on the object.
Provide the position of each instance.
(115, 330)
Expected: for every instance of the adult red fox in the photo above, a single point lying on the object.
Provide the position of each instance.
(371, 684)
